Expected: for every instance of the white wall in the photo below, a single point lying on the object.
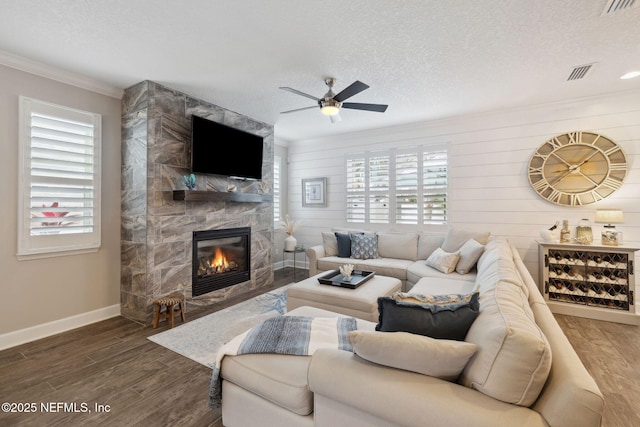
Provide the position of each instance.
(45, 296)
(489, 155)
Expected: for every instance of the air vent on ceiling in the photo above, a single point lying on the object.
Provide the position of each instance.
(614, 6)
(580, 72)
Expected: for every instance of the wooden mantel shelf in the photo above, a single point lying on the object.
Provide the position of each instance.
(202, 196)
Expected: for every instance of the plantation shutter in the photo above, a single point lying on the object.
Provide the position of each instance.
(60, 178)
(379, 188)
(400, 186)
(407, 188)
(356, 188)
(435, 184)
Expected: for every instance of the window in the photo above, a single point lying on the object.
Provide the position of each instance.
(398, 186)
(59, 180)
(277, 212)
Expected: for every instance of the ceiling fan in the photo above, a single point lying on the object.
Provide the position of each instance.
(331, 103)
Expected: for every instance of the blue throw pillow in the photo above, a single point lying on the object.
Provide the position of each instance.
(344, 245)
(363, 246)
(447, 317)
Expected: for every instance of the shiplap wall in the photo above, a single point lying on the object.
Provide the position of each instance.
(489, 155)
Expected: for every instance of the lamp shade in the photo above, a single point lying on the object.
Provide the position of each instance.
(610, 216)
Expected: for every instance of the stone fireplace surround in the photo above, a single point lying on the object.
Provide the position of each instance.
(156, 230)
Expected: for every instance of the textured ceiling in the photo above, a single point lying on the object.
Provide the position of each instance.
(427, 59)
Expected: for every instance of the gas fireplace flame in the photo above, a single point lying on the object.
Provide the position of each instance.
(218, 263)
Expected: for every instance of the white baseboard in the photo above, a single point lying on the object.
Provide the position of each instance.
(12, 339)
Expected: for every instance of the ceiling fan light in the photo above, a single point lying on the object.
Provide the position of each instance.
(630, 75)
(329, 110)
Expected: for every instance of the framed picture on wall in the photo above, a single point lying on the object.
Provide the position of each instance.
(314, 192)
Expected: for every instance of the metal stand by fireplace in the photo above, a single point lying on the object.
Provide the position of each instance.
(221, 258)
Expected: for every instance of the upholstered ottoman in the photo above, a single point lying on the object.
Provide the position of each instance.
(361, 302)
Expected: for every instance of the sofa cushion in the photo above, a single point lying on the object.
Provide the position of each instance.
(513, 358)
(334, 263)
(443, 285)
(496, 264)
(419, 270)
(443, 359)
(398, 245)
(469, 254)
(443, 261)
(427, 243)
(436, 316)
(280, 379)
(456, 238)
(364, 246)
(387, 267)
(330, 243)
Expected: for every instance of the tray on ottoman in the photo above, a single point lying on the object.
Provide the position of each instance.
(335, 278)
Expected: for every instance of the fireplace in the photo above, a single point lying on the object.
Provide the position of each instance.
(221, 258)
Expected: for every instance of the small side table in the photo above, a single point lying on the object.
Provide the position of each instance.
(294, 252)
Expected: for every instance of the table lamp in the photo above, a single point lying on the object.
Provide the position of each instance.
(610, 236)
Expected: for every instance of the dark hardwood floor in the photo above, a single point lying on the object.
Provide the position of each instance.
(113, 363)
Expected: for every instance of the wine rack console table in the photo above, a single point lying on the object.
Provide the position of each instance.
(593, 281)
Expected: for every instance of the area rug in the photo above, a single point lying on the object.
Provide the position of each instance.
(200, 339)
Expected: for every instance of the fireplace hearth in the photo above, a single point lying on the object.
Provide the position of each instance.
(221, 258)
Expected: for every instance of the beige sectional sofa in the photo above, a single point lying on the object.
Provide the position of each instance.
(400, 255)
(524, 372)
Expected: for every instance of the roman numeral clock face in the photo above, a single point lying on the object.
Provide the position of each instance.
(577, 168)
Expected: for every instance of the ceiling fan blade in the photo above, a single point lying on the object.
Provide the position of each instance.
(380, 108)
(335, 118)
(297, 92)
(353, 89)
(298, 109)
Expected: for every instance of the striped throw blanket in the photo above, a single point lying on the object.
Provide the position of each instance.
(294, 335)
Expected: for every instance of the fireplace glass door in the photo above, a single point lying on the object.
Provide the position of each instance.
(221, 258)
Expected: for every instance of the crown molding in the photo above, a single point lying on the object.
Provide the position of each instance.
(58, 74)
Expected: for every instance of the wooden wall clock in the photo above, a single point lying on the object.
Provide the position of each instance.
(577, 168)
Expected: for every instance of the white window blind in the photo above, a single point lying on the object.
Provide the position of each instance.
(276, 190)
(59, 179)
(356, 189)
(435, 184)
(407, 188)
(379, 166)
(401, 186)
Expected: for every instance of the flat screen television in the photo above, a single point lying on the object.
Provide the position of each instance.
(218, 149)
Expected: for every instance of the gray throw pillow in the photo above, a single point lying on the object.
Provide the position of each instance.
(441, 316)
(364, 247)
(470, 253)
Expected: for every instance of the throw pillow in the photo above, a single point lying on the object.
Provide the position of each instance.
(456, 238)
(330, 243)
(447, 317)
(469, 255)
(364, 247)
(443, 359)
(344, 245)
(443, 261)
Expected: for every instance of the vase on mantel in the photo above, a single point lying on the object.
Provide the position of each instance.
(290, 243)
